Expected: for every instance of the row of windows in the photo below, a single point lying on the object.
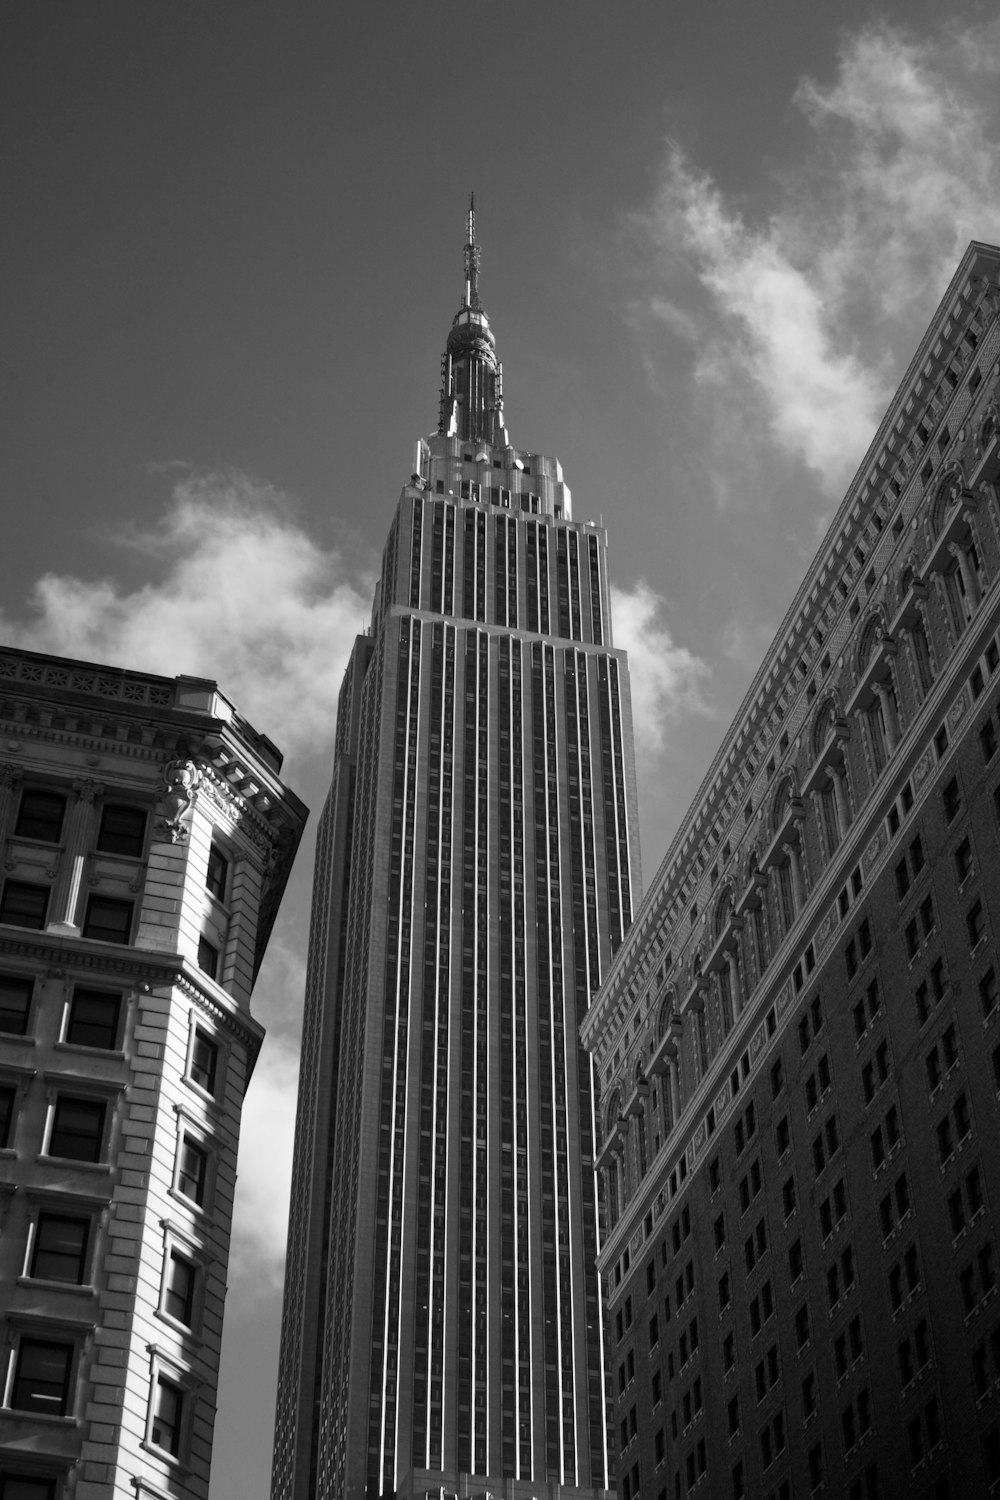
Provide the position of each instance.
(122, 831)
(93, 1018)
(42, 813)
(41, 1382)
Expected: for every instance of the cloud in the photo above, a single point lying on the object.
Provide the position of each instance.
(805, 318)
(666, 680)
(244, 596)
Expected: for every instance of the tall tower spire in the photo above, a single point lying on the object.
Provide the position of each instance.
(471, 374)
(472, 258)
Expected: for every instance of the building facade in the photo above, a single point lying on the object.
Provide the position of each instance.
(799, 1040)
(477, 866)
(147, 838)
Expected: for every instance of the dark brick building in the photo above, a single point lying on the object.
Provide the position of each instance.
(798, 1044)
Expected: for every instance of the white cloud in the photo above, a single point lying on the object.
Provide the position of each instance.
(666, 679)
(805, 317)
(244, 596)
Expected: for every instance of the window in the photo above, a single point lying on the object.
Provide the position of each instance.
(93, 1018)
(963, 860)
(795, 1262)
(122, 830)
(166, 1415)
(15, 1003)
(951, 799)
(975, 922)
(108, 919)
(77, 1128)
(989, 992)
(208, 957)
(40, 816)
(218, 873)
(26, 1487)
(192, 1175)
(24, 905)
(59, 1249)
(8, 1097)
(802, 1326)
(180, 1282)
(42, 1377)
(988, 740)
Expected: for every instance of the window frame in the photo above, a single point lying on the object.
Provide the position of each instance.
(21, 886)
(101, 1138)
(52, 795)
(57, 1213)
(96, 898)
(27, 982)
(90, 991)
(29, 1340)
(136, 846)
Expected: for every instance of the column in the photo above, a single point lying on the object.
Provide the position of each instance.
(675, 1092)
(80, 836)
(10, 779)
(889, 716)
(969, 578)
(735, 986)
(795, 865)
(840, 798)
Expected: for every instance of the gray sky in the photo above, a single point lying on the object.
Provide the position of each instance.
(712, 236)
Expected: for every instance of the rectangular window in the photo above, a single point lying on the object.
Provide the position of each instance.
(951, 799)
(93, 1018)
(8, 1096)
(108, 919)
(24, 905)
(59, 1251)
(15, 1003)
(204, 1067)
(218, 873)
(40, 816)
(77, 1128)
(167, 1415)
(192, 1171)
(42, 1377)
(179, 1285)
(975, 922)
(208, 957)
(122, 830)
(15, 1486)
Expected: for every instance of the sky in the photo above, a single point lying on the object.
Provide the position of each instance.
(711, 238)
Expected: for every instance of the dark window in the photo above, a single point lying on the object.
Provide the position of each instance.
(951, 798)
(167, 1415)
(93, 1018)
(218, 873)
(108, 919)
(60, 1248)
(40, 816)
(77, 1129)
(192, 1171)
(8, 1094)
(205, 1064)
(179, 1288)
(15, 1003)
(41, 1377)
(26, 1487)
(123, 829)
(975, 921)
(24, 905)
(208, 957)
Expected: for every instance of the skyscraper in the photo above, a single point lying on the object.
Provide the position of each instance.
(477, 867)
(799, 1040)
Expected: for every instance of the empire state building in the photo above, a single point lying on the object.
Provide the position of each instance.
(477, 866)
